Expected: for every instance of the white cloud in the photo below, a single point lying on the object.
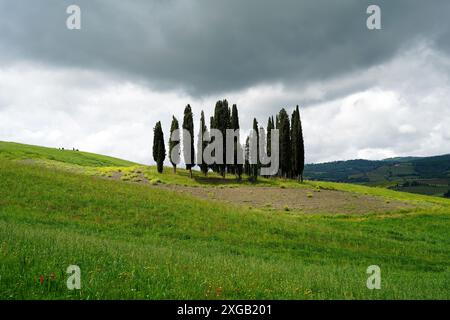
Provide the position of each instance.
(54, 107)
(407, 129)
(403, 109)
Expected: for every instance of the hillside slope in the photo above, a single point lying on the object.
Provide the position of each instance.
(137, 241)
(428, 175)
(15, 151)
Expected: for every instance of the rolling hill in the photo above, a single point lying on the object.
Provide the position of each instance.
(137, 234)
(427, 175)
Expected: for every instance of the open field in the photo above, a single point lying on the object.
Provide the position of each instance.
(137, 234)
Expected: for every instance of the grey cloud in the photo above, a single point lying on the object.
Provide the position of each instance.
(406, 112)
(211, 47)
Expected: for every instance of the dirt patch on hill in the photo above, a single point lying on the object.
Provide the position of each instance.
(298, 200)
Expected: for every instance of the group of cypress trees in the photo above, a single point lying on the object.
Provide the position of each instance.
(292, 147)
(291, 144)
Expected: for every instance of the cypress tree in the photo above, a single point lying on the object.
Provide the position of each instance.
(173, 142)
(159, 149)
(262, 146)
(255, 167)
(222, 122)
(298, 149)
(295, 146)
(236, 168)
(203, 133)
(229, 167)
(285, 143)
(269, 138)
(212, 125)
(188, 142)
(247, 157)
(301, 143)
(270, 127)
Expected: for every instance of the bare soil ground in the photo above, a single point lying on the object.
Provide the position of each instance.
(289, 199)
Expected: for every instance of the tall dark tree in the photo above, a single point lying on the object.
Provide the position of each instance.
(229, 167)
(298, 149)
(294, 145)
(212, 124)
(222, 123)
(285, 143)
(270, 127)
(159, 148)
(201, 145)
(236, 168)
(262, 147)
(301, 143)
(188, 139)
(247, 168)
(174, 139)
(255, 167)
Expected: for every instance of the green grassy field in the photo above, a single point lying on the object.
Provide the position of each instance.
(132, 241)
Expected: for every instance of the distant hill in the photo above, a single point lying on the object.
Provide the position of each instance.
(424, 175)
(12, 150)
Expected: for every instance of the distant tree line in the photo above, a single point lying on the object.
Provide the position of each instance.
(291, 144)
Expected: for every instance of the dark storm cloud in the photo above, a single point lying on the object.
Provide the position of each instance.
(208, 47)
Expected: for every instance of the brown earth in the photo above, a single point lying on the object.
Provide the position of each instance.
(292, 199)
(288, 199)
(275, 198)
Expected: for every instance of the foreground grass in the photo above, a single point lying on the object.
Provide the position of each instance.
(135, 242)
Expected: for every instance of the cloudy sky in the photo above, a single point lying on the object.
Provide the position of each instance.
(363, 93)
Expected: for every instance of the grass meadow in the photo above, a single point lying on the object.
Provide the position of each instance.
(131, 241)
